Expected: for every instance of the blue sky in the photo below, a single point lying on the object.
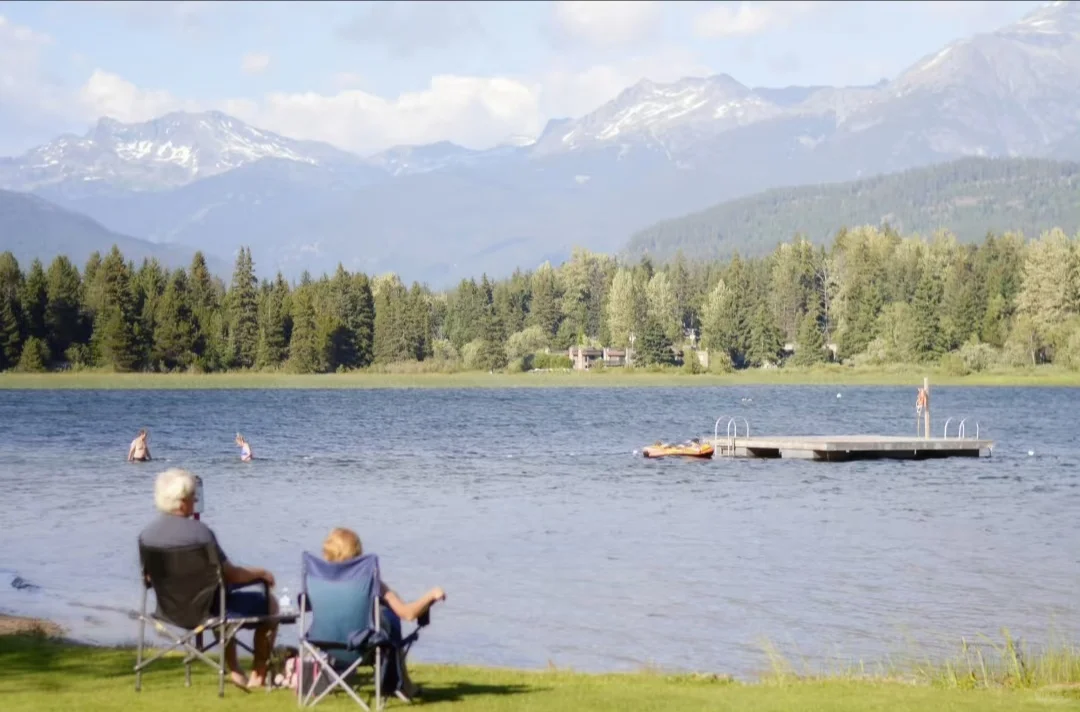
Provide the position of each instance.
(366, 76)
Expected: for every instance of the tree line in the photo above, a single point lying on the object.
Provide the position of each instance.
(872, 297)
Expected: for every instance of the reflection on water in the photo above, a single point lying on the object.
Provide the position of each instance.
(553, 540)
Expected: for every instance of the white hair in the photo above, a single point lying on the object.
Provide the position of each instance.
(172, 487)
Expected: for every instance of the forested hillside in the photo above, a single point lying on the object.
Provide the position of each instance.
(877, 296)
(969, 197)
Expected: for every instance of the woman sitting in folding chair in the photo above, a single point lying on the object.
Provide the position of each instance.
(342, 545)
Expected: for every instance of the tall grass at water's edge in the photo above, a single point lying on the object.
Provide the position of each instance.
(419, 376)
(986, 664)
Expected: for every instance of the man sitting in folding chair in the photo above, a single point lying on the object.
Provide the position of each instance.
(356, 621)
(196, 585)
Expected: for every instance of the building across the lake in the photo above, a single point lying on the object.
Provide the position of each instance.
(586, 357)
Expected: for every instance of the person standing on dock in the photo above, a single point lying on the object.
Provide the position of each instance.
(245, 449)
(140, 448)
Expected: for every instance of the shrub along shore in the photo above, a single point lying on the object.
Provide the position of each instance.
(47, 673)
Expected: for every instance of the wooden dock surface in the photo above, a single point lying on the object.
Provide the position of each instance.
(850, 447)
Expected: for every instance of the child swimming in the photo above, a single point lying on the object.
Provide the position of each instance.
(245, 449)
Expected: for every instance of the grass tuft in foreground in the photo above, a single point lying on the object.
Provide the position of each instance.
(40, 673)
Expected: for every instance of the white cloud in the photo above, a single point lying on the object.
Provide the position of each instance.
(107, 94)
(607, 23)
(255, 63)
(750, 18)
(23, 84)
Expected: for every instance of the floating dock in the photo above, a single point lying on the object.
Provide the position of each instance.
(839, 448)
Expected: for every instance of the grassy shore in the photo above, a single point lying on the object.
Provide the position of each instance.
(622, 378)
(41, 673)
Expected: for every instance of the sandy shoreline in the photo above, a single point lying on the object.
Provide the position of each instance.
(18, 625)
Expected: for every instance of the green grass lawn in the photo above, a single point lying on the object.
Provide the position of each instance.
(832, 375)
(37, 673)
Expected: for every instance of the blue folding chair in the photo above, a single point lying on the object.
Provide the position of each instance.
(345, 632)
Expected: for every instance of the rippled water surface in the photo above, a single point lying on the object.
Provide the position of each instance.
(553, 540)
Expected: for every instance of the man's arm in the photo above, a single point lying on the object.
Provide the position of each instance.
(411, 611)
(241, 575)
(131, 451)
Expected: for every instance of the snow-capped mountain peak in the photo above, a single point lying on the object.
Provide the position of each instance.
(169, 151)
(647, 109)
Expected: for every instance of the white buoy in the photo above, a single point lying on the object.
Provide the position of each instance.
(837, 395)
(1031, 453)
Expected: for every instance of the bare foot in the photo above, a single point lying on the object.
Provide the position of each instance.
(237, 678)
(256, 681)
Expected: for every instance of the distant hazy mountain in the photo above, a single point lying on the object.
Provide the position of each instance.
(33, 227)
(970, 196)
(655, 152)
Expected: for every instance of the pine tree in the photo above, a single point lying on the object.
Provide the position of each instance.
(766, 340)
(810, 343)
(926, 331)
(114, 325)
(493, 350)
(34, 301)
(243, 308)
(176, 339)
(10, 335)
(306, 354)
(362, 316)
(655, 347)
(544, 304)
(624, 318)
(35, 355)
(63, 310)
(274, 321)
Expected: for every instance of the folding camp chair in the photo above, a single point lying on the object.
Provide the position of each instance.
(189, 586)
(346, 632)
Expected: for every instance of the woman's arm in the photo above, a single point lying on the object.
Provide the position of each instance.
(411, 611)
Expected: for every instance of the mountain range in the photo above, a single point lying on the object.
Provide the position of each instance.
(969, 196)
(655, 152)
(32, 227)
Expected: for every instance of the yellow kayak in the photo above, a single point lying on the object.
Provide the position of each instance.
(691, 449)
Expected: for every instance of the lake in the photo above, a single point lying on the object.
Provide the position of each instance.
(555, 542)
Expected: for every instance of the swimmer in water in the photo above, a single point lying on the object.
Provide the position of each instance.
(245, 449)
(140, 448)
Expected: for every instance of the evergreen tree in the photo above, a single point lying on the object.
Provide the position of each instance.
(306, 353)
(63, 310)
(655, 349)
(114, 327)
(243, 308)
(273, 322)
(177, 337)
(34, 301)
(766, 341)
(10, 335)
(35, 355)
(810, 344)
(544, 309)
(362, 318)
(926, 330)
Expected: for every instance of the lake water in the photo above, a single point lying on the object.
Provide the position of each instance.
(554, 541)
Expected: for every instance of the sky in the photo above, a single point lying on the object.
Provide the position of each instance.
(366, 76)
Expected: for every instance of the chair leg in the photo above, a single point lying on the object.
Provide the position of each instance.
(224, 643)
(378, 678)
(139, 650)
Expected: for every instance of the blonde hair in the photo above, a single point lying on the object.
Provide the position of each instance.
(171, 488)
(341, 545)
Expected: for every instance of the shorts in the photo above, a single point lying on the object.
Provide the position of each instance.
(245, 604)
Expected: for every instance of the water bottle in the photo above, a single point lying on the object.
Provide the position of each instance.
(284, 602)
